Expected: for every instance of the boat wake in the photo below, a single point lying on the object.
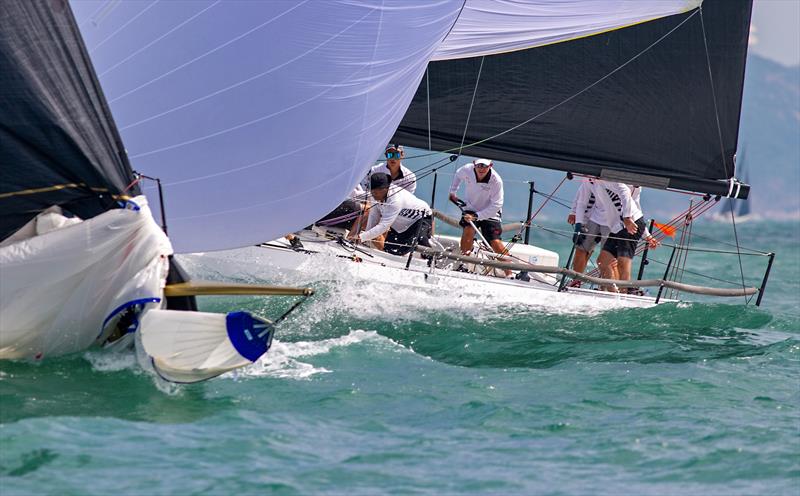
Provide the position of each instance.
(283, 360)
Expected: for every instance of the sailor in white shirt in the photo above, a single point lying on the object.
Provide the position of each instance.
(406, 217)
(589, 218)
(624, 217)
(484, 198)
(402, 176)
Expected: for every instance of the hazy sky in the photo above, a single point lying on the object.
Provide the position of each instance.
(775, 30)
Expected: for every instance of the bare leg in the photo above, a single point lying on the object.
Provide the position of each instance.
(605, 261)
(378, 242)
(467, 240)
(580, 260)
(624, 268)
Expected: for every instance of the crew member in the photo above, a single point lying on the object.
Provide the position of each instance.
(484, 203)
(589, 219)
(625, 219)
(402, 177)
(406, 217)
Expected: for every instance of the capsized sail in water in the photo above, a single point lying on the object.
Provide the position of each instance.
(258, 117)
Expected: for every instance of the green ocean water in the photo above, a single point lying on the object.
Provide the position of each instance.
(387, 392)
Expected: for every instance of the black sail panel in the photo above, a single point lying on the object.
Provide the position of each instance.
(58, 141)
(601, 105)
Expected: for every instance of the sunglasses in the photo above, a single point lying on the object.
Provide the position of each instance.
(392, 154)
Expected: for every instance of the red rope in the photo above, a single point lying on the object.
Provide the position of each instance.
(694, 212)
(132, 184)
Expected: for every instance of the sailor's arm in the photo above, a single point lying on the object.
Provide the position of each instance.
(626, 202)
(388, 216)
(457, 179)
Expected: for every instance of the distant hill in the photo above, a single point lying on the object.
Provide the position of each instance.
(770, 136)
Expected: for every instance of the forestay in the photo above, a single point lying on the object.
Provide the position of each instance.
(259, 117)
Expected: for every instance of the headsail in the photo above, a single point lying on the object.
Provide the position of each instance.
(58, 143)
(259, 117)
(637, 101)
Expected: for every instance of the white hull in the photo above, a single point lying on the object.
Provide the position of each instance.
(329, 262)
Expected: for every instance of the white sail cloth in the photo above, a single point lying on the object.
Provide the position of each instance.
(58, 287)
(260, 117)
(487, 27)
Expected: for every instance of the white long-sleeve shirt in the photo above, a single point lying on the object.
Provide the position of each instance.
(399, 211)
(484, 197)
(618, 202)
(585, 206)
(407, 179)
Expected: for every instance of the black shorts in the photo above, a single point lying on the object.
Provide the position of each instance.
(343, 216)
(623, 243)
(490, 228)
(402, 243)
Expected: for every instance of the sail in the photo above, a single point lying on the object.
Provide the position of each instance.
(58, 143)
(635, 104)
(260, 117)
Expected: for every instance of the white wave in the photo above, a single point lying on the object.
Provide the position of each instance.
(368, 291)
(281, 361)
(107, 361)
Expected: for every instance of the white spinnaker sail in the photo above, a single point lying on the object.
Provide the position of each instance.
(259, 117)
(487, 27)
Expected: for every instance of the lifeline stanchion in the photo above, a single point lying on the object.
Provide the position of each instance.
(528, 215)
(569, 262)
(433, 192)
(666, 272)
(644, 253)
(764, 281)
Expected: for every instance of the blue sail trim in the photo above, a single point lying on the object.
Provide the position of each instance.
(125, 306)
(250, 336)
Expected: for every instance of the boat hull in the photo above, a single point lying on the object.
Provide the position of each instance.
(331, 262)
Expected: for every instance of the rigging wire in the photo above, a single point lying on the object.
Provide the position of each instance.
(471, 105)
(721, 145)
(570, 98)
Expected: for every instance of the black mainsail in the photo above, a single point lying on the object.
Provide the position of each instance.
(58, 141)
(635, 104)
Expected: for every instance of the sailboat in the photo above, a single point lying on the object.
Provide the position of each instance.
(248, 120)
(657, 104)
